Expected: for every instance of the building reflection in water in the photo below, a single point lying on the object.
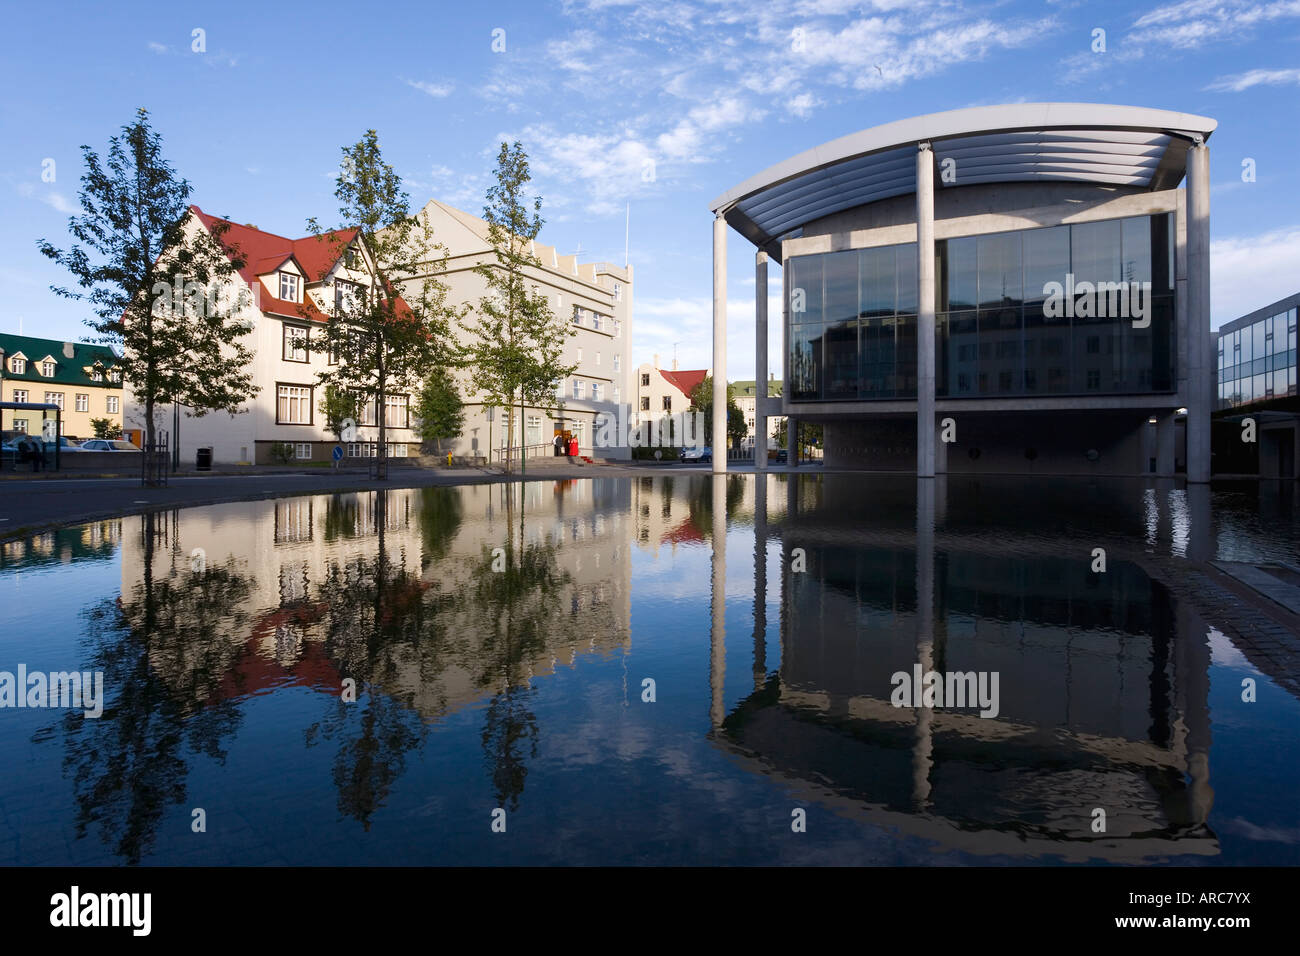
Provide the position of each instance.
(1104, 681)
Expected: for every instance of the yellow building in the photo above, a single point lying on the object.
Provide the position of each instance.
(84, 380)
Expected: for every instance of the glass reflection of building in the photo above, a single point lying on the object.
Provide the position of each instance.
(852, 332)
(1103, 690)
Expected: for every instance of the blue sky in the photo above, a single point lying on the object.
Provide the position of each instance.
(659, 105)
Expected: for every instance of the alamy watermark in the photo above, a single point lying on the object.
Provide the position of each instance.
(1099, 300)
(951, 689)
(82, 690)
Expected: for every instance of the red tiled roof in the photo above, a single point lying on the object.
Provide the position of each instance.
(685, 381)
(264, 252)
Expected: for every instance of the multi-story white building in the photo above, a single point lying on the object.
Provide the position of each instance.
(294, 283)
(745, 391)
(596, 297)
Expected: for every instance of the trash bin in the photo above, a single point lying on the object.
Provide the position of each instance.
(203, 459)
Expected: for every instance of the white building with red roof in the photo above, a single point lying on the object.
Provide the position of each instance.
(293, 285)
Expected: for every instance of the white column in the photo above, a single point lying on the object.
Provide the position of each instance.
(760, 361)
(718, 592)
(925, 311)
(1198, 313)
(1165, 446)
(719, 345)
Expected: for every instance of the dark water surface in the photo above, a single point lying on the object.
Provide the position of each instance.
(500, 649)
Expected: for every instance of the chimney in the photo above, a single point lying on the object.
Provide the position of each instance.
(674, 365)
(656, 360)
(68, 350)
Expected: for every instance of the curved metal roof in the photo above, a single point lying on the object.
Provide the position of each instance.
(1022, 142)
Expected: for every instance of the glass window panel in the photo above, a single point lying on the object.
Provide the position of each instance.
(804, 287)
(886, 356)
(1244, 340)
(1047, 351)
(1047, 259)
(840, 278)
(1095, 251)
(1000, 348)
(999, 276)
(960, 286)
(1257, 388)
(907, 281)
(905, 359)
(1257, 333)
(962, 353)
(1163, 355)
(874, 354)
(878, 281)
(805, 361)
(941, 354)
(1135, 248)
(841, 356)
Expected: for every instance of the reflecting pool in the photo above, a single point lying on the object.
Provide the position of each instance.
(675, 669)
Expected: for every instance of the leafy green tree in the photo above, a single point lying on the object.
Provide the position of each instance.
(106, 428)
(702, 401)
(439, 408)
(515, 341)
(386, 342)
(136, 242)
(338, 407)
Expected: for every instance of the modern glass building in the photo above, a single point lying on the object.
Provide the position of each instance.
(999, 289)
(1256, 355)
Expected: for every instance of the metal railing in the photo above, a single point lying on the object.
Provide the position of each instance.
(543, 450)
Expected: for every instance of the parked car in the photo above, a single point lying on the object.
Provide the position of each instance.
(66, 444)
(695, 455)
(107, 444)
(781, 456)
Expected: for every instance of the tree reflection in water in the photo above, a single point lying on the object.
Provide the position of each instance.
(163, 650)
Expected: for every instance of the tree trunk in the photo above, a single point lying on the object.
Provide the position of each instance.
(381, 411)
(151, 437)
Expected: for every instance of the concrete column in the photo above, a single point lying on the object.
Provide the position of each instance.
(923, 748)
(760, 579)
(791, 441)
(1198, 313)
(718, 631)
(925, 311)
(1165, 446)
(760, 361)
(719, 345)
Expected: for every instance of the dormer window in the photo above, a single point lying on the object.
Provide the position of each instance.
(18, 365)
(96, 374)
(352, 259)
(115, 376)
(47, 369)
(288, 287)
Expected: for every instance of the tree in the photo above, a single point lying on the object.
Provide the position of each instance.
(136, 242)
(338, 408)
(702, 401)
(439, 408)
(515, 340)
(385, 342)
(106, 428)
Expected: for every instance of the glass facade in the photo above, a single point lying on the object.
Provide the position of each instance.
(1001, 327)
(1258, 362)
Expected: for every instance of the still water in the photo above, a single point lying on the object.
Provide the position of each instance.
(664, 670)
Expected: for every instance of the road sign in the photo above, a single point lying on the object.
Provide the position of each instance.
(338, 453)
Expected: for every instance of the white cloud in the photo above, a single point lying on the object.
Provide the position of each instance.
(802, 105)
(1249, 272)
(436, 90)
(687, 323)
(158, 47)
(50, 197)
(1194, 23)
(1244, 81)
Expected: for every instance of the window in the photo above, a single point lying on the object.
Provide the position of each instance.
(288, 287)
(595, 321)
(351, 258)
(595, 391)
(97, 374)
(83, 402)
(668, 403)
(618, 292)
(115, 376)
(397, 410)
(346, 297)
(616, 394)
(645, 403)
(597, 358)
(20, 394)
(294, 405)
(295, 343)
(18, 365)
(20, 425)
(617, 363)
(618, 328)
(362, 449)
(54, 398)
(111, 404)
(577, 388)
(397, 449)
(579, 354)
(302, 450)
(645, 381)
(577, 316)
(47, 369)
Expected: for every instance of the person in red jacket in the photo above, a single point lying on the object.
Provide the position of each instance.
(573, 447)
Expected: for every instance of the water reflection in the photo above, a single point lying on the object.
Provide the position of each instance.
(429, 651)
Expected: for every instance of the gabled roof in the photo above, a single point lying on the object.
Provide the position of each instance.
(67, 371)
(685, 381)
(265, 252)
